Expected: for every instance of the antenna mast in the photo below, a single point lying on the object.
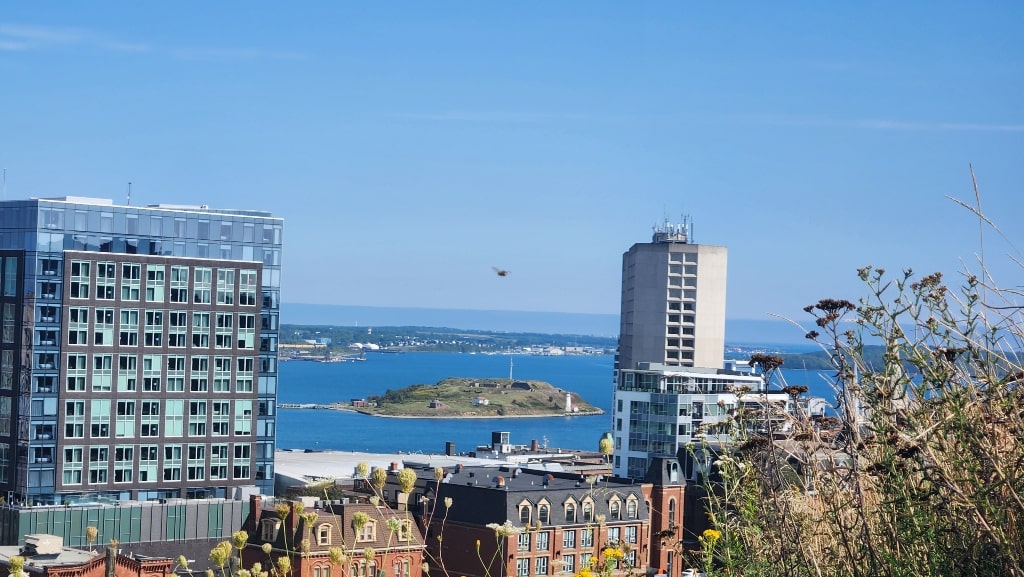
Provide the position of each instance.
(129, 193)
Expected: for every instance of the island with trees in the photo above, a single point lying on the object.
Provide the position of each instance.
(461, 397)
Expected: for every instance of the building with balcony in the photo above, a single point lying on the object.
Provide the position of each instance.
(138, 353)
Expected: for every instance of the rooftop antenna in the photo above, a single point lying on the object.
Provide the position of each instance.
(5, 185)
(129, 193)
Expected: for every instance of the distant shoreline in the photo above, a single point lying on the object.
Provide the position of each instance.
(339, 407)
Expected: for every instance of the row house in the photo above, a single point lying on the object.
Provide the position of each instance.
(371, 539)
(524, 523)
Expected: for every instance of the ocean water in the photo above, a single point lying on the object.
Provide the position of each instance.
(311, 382)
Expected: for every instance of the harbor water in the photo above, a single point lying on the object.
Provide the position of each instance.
(315, 382)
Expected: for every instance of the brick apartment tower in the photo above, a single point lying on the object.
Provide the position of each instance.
(138, 351)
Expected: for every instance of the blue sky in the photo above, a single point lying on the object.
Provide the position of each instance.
(411, 146)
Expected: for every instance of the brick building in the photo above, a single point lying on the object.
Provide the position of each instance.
(372, 538)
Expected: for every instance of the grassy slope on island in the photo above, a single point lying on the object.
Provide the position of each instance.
(456, 395)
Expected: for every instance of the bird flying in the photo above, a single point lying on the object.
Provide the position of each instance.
(500, 271)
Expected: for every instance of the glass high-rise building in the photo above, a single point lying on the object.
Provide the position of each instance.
(138, 354)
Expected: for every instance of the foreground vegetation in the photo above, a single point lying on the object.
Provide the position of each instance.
(923, 471)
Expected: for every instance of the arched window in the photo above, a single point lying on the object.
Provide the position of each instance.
(544, 514)
(615, 510)
(570, 512)
(323, 534)
(631, 507)
(671, 513)
(524, 513)
(588, 512)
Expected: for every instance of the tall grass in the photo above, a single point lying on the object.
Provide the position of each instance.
(922, 470)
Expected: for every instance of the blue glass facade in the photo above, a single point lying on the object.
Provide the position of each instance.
(83, 281)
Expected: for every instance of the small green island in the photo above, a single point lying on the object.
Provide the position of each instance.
(469, 397)
(459, 397)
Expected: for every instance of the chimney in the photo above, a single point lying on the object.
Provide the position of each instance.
(449, 449)
(501, 481)
(254, 504)
(534, 446)
(394, 466)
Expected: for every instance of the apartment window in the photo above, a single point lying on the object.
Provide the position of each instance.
(201, 330)
(196, 470)
(631, 508)
(125, 426)
(74, 419)
(80, 277)
(175, 373)
(124, 463)
(221, 418)
(218, 461)
(174, 417)
(129, 327)
(151, 372)
(78, 325)
(246, 331)
(588, 512)
(155, 283)
(523, 567)
(77, 371)
(148, 463)
(199, 376)
(247, 287)
(569, 564)
(222, 374)
(154, 329)
(201, 293)
(150, 418)
(242, 462)
(570, 512)
(99, 419)
(630, 534)
(244, 375)
(73, 461)
(569, 539)
(243, 417)
(614, 510)
(127, 373)
(105, 281)
(225, 287)
(197, 418)
(586, 538)
(172, 462)
(177, 329)
(131, 281)
(524, 542)
(613, 534)
(104, 327)
(102, 372)
(99, 463)
(543, 540)
(225, 331)
(542, 565)
(179, 284)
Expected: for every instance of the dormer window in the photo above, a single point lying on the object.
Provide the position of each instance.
(631, 508)
(368, 532)
(544, 514)
(524, 513)
(570, 512)
(588, 511)
(615, 509)
(270, 528)
(323, 534)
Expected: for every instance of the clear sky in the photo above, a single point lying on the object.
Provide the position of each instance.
(413, 146)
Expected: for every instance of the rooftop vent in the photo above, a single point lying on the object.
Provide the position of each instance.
(42, 544)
